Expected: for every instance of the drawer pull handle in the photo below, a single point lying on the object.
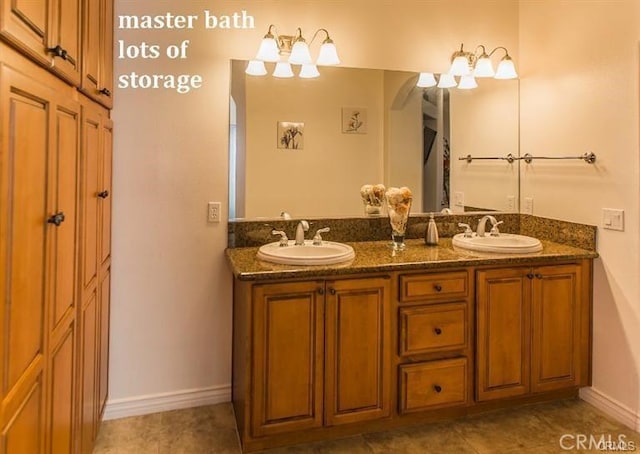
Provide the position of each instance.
(105, 91)
(437, 388)
(103, 194)
(321, 291)
(437, 287)
(58, 51)
(56, 219)
(438, 331)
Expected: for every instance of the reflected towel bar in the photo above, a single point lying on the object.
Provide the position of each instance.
(509, 158)
(589, 158)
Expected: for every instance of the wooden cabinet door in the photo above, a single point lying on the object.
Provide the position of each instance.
(62, 393)
(104, 195)
(503, 333)
(48, 31)
(103, 340)
(555, 350)
(25, 160)
(88, 384)
(287, 357)
(97, 51)
(358, 347)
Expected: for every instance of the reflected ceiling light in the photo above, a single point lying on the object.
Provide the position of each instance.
(447, 81)
(479, 64)
(294, 50)
(426, 80)
(309, 71)
(256, 68)
(467, 82)
(283, 70)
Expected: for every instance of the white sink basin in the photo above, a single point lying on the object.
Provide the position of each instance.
(327, 253)
(506, 243)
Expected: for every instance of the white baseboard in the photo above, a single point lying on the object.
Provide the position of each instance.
(154, 403)
(612, 407)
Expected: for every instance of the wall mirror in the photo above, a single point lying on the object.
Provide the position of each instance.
(306, 146)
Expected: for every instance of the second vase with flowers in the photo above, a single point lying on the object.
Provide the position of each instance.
(398, 206)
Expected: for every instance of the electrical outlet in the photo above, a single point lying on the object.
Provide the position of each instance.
(528, 205)
(213, 211)
(511, 203)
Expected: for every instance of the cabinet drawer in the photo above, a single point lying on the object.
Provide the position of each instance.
(426, 329)
(433, 384)
(425, 287)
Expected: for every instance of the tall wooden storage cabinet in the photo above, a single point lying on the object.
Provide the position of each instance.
(55, 216)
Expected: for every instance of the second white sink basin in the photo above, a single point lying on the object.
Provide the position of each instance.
(506, 243)
(328, 253)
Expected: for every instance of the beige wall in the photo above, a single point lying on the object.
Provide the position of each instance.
(171, 312)
(332, 166)
(579, 71)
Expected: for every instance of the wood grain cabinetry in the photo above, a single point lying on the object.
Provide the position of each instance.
(40, 132)
(325, 357)
(97, 45)
(319, 355)
(532, 324)
(48, 31)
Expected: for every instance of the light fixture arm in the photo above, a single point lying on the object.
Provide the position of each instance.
(269, 34)
(506, 52)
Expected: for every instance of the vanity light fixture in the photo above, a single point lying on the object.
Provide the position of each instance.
(287, 50)
(479, 63)
(426, 80)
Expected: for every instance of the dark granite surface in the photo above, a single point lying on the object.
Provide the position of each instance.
(377, 256)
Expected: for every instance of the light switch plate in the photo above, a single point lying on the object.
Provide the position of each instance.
(458, 199)
(527, 207)
(613, 219)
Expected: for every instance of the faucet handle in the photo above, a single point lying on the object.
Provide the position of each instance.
(494, 230)
(284, 241)
(467, 229)
(317, 239)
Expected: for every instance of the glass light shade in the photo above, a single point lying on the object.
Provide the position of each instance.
(460, 66)
(268, 50)
(426, 80)
(300, 54)
(506, 69)
(283, 70)
(328, 55)
(309, 72)
(467, 82)
(484, 68)
(447, 81)
(256, 68)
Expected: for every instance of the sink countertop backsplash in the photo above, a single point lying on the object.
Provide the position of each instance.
(258, 232)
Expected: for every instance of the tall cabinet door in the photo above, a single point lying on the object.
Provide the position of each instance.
(358, 336)
(555, 350)
(287, 349)
(503, 333)
(97, 55)
(24, 209)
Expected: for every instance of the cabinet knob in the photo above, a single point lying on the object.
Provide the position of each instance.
(321, 291)
(438, 331)
(58, 51)
(332, 291)
(437, 287)
(437, 388)
(105, 91)
(538, 276)
(56, 219)
(530, 275)
(104, 194)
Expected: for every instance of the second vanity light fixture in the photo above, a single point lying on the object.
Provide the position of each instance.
(287, 50)
(468, 66)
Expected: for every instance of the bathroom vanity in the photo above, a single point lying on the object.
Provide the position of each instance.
(396, 339)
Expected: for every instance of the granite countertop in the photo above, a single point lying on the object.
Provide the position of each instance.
(377, 256)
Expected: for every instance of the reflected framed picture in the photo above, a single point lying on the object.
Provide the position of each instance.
(354, 120)
(290, 135)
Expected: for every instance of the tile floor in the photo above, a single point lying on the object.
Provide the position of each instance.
(528, 430)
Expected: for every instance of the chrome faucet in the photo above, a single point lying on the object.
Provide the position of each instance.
(303, 226)
(483, 223)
